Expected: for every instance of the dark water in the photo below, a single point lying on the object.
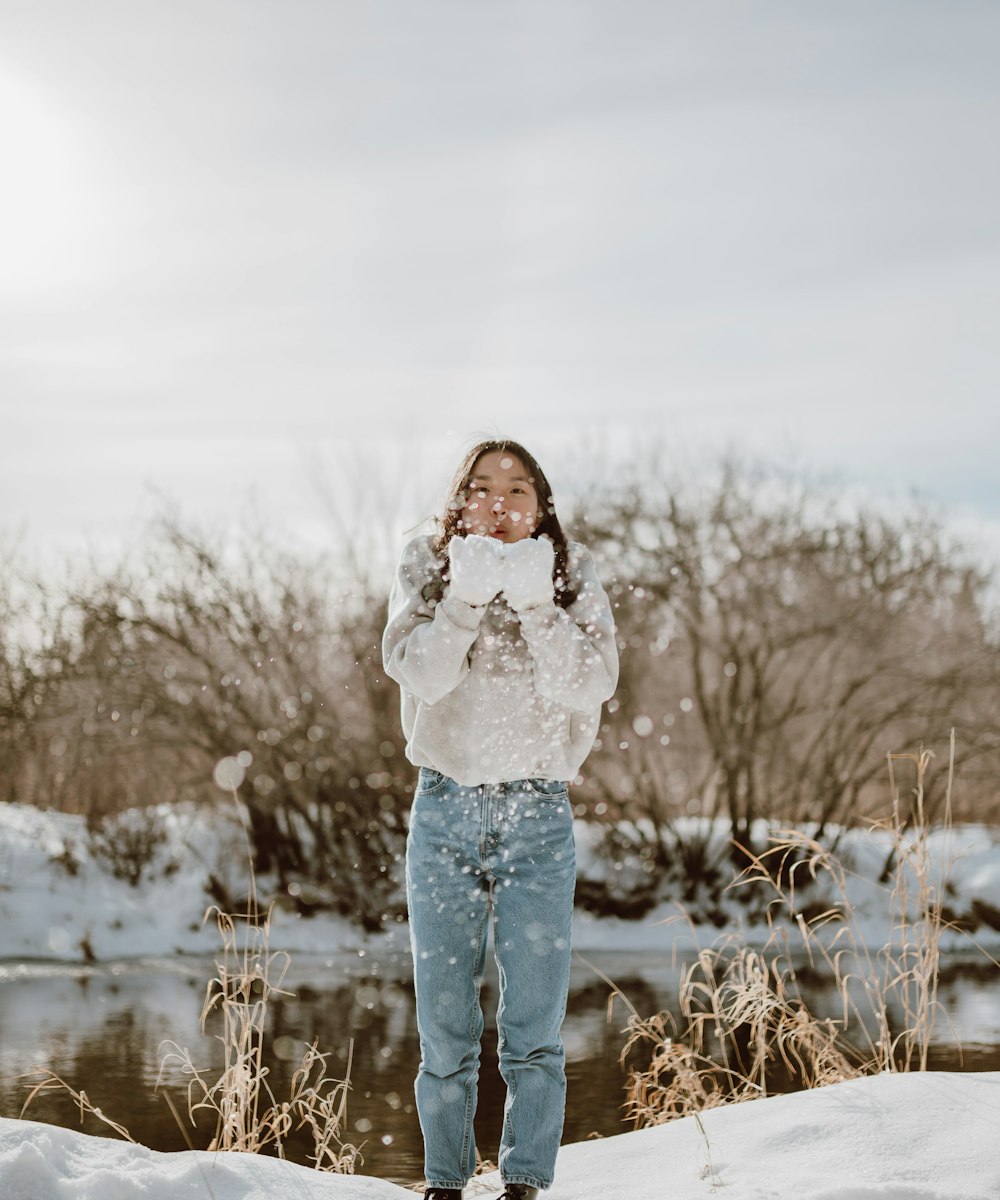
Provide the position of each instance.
(101, 1030)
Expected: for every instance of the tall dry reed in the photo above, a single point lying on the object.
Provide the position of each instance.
(249, 1116)
(743, 1019)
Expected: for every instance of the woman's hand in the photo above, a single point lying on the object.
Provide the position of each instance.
(528, 572)
(476, 568)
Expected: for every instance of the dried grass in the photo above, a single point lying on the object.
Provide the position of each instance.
(51, 1082)
(743, 1018)
(249, 1117)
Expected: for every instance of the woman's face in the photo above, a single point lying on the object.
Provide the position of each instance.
(502, 501)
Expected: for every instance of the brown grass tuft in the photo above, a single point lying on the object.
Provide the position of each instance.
(743, 1018)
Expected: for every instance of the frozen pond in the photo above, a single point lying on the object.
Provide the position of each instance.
(100, 1029)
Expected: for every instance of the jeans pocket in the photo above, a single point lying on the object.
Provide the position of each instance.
(547, 789)
(429, 782)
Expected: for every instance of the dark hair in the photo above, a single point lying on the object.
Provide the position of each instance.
(458, 491)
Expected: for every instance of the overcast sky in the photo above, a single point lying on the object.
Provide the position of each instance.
(239, 240)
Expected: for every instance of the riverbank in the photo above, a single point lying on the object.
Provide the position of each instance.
(65, 897)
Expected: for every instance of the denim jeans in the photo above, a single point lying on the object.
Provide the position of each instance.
(505, 851)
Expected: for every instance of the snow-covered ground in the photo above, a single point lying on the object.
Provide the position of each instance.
(58, 901)
(887, 1137)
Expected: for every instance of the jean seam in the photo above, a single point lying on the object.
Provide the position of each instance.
(484, 808)
(512, 1088)
(467, 1135)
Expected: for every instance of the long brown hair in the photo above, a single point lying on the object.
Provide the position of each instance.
(447, 525)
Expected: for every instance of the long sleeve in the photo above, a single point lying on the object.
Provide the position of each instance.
(425, 650)
(574, 650)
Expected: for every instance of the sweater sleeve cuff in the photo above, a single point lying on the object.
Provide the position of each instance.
(465, 616)
(539, 616)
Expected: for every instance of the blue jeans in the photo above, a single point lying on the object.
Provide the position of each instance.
(506, 850)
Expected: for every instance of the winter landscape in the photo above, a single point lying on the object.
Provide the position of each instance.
(269, 273)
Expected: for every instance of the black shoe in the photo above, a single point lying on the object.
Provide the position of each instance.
(436, 1193)
(518, 1191)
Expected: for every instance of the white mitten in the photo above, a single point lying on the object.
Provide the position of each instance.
(528, 567)
(476, 568)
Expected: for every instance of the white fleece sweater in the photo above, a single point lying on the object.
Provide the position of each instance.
(490, 695)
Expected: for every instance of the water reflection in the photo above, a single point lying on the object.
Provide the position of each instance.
(101, 1029)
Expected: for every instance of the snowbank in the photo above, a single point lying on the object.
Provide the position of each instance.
(60, 902)
(889, 1137)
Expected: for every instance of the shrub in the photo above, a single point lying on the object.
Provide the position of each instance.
(132, 844)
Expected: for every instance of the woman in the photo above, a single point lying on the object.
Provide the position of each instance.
(502, 640)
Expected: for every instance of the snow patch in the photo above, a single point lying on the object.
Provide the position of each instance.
(920, 1136)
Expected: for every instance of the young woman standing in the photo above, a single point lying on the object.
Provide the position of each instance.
(502, 641)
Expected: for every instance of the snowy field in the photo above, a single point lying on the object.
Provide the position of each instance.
(887, 1137)
(57, 901)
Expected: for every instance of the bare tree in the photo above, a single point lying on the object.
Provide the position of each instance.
(204, 651)
(804, 643)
